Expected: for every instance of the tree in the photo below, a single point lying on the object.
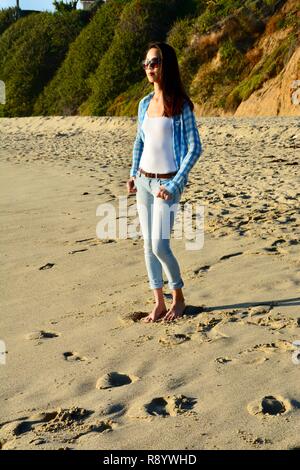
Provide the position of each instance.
(63, 7)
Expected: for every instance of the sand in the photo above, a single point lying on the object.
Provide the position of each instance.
(81, 368)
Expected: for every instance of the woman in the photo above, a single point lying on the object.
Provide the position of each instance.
(166, 147)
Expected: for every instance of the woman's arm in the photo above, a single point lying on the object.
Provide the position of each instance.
(138, 145)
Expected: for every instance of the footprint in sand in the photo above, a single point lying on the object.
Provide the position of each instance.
(132, 317)
(115, 379)
(277, 346)
(173, 339)
(269, 406)
(207, 324)
(275, 321)
(170, 405)
(238, 253)
(77, 251)
(253, 358)
(254, 355)
(141, 339)
(73, 357)
(47, 266)
(223, 360)
(208, 330)
(276, 246)
(201, 270)
(41, 334)
(70, 421)
(259, 310)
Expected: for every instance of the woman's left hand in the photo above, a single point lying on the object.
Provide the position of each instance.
(163, 193)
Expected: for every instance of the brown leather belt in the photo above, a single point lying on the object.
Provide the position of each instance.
(157, 175)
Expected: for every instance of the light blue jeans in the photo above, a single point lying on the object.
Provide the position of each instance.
(157, 216)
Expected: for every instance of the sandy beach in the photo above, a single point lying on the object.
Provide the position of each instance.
(80, 369)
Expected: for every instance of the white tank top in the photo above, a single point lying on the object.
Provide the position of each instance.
(158, 152)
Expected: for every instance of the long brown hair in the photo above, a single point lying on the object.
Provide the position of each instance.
(173, 90)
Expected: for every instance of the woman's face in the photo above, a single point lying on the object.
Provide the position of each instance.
(153, 73)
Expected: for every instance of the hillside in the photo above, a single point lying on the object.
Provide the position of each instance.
(237, 58)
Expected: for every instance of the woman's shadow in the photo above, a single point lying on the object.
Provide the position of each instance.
(193, 310)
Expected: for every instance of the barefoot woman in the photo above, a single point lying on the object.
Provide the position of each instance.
(166, 147)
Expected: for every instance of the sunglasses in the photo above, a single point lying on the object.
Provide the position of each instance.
(151, 63)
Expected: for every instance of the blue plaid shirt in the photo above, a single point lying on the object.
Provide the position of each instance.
(186, 143)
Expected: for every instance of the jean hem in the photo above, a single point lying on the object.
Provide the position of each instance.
(156, 287)
(176, 286)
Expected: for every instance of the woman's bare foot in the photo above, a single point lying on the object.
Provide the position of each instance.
(175, 311)
(158, 312)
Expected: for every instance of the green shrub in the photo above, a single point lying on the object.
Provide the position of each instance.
(178, 36)
(215, 11)
(62, 7)
(31, 50)
(291, 19)
(7, 17)
(125, 104)
(69, 87)
(232, 58)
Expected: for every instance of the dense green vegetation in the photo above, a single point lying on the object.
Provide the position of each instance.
(7, 17)
(76, 62)
(69, 87)
(31, 50)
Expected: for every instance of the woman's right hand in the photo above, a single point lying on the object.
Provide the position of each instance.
(131, 188)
